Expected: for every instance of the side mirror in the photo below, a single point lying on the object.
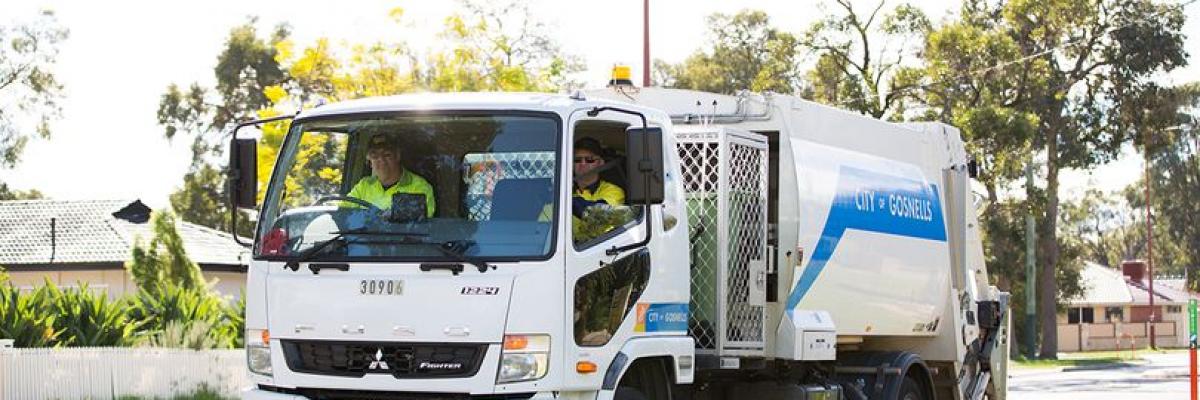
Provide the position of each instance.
(644, 164)
(243, 172)
(973, 168)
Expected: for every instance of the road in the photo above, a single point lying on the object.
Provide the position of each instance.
(1158, 376)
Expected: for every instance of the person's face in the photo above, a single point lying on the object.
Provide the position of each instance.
(384, 162)
(585, 161)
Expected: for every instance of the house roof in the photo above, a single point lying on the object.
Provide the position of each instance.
(47, 232)
(1107, 286)
(1102, 285)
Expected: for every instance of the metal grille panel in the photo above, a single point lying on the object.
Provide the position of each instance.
(725, 184)
(482, 171)
(746, 241)
(701, 171)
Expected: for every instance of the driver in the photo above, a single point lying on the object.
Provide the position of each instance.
(590, 190)
(389, 177)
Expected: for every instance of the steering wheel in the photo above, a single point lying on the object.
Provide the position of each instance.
(354, 200)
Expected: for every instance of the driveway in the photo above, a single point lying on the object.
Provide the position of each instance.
(1156, 376)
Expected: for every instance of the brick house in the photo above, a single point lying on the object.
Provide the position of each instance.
(1114, 312)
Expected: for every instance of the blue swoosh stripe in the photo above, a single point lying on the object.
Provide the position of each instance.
(873, 202)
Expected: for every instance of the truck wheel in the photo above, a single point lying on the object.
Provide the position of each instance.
(624, 393)
(911, 390)
(645, 380)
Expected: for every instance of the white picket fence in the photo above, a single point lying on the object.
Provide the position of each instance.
(110, 373)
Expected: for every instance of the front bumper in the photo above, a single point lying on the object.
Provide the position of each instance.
(261, 393)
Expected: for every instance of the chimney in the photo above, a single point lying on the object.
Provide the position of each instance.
(1135, 270)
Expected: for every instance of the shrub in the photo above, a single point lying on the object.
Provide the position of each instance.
(86, 319)
(183, 335)
(155, 311)
(23, 318)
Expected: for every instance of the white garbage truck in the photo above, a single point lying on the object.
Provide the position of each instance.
(699, 246)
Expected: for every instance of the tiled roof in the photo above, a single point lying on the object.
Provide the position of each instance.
(1163, 294)
(1102, 285)
(85, 231)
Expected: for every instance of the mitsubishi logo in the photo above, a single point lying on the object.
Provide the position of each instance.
(378, 363)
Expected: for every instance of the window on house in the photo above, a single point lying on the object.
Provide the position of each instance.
(1174, 309)
(1113, 314)
(1076, 315)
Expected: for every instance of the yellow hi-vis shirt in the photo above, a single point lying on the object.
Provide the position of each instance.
(602, 190)
(370, 190)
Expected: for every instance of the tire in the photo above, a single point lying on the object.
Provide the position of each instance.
(911, 390)
(645, 380)
(626, 393)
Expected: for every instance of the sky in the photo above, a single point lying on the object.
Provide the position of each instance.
(121, 56)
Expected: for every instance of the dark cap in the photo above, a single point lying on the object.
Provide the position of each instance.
(591, 145)
(382, 141)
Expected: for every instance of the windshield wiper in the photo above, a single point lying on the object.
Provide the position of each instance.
(339, 237)
(457, 249)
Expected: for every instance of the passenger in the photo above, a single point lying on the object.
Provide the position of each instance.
(389, 177)
(590, 190)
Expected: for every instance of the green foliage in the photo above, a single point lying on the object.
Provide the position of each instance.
(156, 311)
(860, 57)
(163, 261)
(23, 317)
(84, 318)
(244, 67)
(10, 194)
(183, 335)
(598, 220)
(747, 53)
(200, 392)
(29, 90)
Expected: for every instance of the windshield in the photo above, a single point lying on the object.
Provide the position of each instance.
(414, 187)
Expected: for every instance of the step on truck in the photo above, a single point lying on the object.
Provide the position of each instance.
(699, 246)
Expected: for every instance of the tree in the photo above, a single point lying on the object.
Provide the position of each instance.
(10, 194)
(490, 47)
(163, 261)
(29, 90)
(1087, 76)
(1175, 175)
(244, 67)
(860, 58)
(747, 53)
(1069, 81)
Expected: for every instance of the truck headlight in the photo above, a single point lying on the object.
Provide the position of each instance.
(258, 351)
(524, 358)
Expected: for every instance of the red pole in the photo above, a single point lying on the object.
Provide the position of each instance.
(1192, 361)
(645, 43)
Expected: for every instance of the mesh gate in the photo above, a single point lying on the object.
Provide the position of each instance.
(725, 184)
(482, 171)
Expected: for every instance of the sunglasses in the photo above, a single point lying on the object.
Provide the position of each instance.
(587, 160)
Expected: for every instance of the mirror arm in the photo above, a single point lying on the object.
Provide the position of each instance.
(643, 165)
(233, 208)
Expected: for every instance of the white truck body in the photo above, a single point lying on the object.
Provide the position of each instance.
(791, 235)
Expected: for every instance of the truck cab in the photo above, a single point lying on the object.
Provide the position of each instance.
(479, 274)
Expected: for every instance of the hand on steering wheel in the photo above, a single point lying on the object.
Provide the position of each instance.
(354, 200)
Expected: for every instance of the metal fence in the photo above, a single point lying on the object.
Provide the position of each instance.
(110, 373)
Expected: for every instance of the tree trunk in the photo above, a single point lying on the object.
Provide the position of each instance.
(1048, 252)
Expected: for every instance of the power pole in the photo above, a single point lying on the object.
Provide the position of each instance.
(1150, 248)
(1030, 268)
(645, 43)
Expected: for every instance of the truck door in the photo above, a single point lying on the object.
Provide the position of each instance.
(603, 286)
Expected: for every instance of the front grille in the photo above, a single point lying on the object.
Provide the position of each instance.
(401, 360)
